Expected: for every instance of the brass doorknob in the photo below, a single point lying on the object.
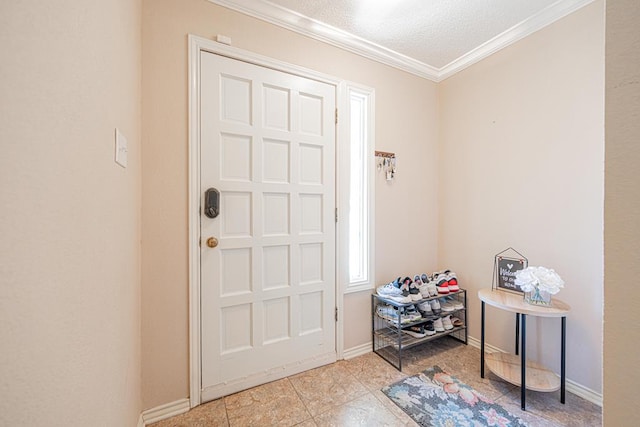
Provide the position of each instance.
(212, 242)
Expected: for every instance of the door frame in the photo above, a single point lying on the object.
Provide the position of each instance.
(197, 45)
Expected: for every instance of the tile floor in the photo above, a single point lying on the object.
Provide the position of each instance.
(347, 393)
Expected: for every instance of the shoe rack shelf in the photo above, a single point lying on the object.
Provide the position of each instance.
(391, 343)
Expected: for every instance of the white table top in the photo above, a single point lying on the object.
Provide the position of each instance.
(515, 303)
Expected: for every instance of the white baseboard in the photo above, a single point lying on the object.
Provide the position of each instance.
(572, 386)
(584, 392)
(163, 412)
(474, 342)
(356, 351)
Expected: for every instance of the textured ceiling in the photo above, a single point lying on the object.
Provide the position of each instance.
(435, 32)
(431, 38)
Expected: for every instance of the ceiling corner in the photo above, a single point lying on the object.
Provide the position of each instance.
(525, 28)
(317, 30)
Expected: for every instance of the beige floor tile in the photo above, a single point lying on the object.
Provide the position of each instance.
(260, 394)
(433, 353)
(366, 411)
(322, 388)
(373, 371)
(275, 403)
(528, 417)
(575, 412)
(395, 409)
(307, 423)
(490, 386)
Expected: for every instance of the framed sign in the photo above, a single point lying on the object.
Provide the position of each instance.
(505, 266)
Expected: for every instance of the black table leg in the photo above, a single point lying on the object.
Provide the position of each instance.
(517, 331)
(523, 358)
(563, 359)
(482, 341)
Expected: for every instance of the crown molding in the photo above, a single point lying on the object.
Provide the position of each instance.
(534, 23)
(317, 30)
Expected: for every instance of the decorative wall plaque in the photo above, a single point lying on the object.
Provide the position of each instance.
(505, 266)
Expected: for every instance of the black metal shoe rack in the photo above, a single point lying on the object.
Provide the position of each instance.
(389, 340)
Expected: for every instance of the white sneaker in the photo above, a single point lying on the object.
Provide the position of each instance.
(453, 282)
(438, 325)
(442, 283)
(414, 293)
(412, 314)
(429, 329)
(435, 306)
(391, 314)
(390, 291)
(446, 323)
(422, 287)
(446, 306)
(387, 313)
(454, 302)
(432, 291)
(425, 308)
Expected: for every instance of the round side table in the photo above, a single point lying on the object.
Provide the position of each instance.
(510, 367)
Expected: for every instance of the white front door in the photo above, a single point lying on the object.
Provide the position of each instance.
(268, 288)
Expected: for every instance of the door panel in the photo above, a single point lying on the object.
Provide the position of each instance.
(268, 288)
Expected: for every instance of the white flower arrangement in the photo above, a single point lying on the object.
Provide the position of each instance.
(544, 279)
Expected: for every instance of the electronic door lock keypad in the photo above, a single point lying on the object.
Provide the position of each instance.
(212, 202)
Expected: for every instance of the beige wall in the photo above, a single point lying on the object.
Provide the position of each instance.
(522, 160)
(70, 224)
(406, 218)
(70, 254)
(622, 213)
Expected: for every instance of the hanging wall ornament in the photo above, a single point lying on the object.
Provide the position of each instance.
(386, 162)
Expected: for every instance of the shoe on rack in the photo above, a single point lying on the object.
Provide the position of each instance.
(429, 329)
(387, 313)
(414, 292)
(442, 283)
(431, 286)
(416, 331)
(446, 305)
(446, 323)
(454, 302)
(452, 282)
(422, 287)
(412, 313)
(403, 285)
(438, 326)
(391, 314)
(435, 306)
(456, 322)
(393, 292)
(425, 309)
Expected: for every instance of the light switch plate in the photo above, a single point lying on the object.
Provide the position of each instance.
(121, 149)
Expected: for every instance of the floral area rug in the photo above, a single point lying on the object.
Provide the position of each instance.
(435, 398)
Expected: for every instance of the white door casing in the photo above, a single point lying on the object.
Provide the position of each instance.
(267, 143)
